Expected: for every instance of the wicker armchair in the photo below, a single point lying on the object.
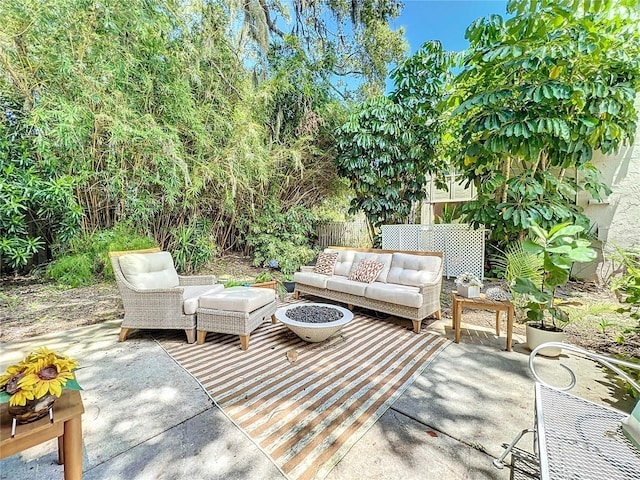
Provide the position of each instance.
(154, 295)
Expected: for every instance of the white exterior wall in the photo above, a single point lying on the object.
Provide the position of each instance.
(617, 218)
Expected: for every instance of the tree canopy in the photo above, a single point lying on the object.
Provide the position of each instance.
(349, 44)
(168, 117)
(391, 144)
(539, 93)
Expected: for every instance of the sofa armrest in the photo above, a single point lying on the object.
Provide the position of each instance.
(306, 268)
(197, 280)
(431, 288)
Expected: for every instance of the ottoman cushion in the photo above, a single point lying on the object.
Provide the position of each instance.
(238, 299)
(192, 293)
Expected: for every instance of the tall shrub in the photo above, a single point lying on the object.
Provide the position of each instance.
(37, 203)
(539, 93)
(389, 145)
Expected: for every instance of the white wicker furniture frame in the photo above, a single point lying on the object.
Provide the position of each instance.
(234, 323)
(155, 308)
(430, 294)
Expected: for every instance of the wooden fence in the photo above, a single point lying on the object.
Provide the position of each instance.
(344, 234)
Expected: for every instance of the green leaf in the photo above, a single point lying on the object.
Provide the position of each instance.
(532, 247)
(560, 249)
(72, 384)
(564, 230)
(582, 254)
(4, 397)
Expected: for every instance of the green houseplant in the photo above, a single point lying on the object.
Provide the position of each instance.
(559, 248)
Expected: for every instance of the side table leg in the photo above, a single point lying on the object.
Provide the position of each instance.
(61, 450)
(72, 446)
(497, 323)
(510, 314)
(453, 311)
(457, 320)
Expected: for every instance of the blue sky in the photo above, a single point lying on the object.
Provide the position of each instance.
(444, 20)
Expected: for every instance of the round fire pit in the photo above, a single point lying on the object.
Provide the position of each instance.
(314, 322)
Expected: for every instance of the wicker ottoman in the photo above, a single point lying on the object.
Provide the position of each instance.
(236, 311)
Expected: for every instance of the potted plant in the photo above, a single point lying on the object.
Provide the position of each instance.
(559, 248)
(468, 285)
(32, 386)
(289, 284)
(265, 280)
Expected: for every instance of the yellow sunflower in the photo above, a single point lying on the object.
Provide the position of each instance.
(11, 372)
(46, 381)
(21, 396)
(41, 373)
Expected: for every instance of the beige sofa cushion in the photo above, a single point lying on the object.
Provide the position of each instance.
(397, 294)
(238, 299)
(312, 279)
(149, 270)
(344, 262)
(191, 294)
(344, 285)
(414, 270)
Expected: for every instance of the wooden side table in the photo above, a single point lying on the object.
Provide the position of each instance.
(458, 302)
(66, 427)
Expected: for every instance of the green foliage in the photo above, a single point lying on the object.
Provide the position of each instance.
(192, 246)
(334, 39)
(389, 145)
(37, 205)
(152, 119)
(450, 214)
(86, 258)
(234, 283)
(559, 249)
(134, 106)
(264, 277)
(516, 262)
(628, 285)
(538, 93)
(281, 239)
(72, 271)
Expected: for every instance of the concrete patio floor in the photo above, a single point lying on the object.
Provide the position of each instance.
(146, 418)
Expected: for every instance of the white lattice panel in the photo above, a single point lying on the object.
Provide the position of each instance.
(463, 246)
(401, 237)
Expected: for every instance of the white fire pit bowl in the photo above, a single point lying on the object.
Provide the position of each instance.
(314, 332)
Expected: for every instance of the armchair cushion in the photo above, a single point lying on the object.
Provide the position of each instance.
(149, 270)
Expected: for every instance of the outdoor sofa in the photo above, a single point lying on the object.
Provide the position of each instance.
(400, 283)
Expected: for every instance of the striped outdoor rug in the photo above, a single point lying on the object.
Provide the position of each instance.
(306, 404)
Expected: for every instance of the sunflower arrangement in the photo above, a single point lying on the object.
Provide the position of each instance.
(43, 372)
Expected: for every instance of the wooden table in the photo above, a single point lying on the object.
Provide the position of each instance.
(66, 427)
(458, 302)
